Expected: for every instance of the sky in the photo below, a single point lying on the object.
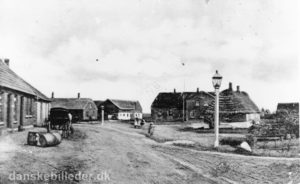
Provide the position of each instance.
(134, 49)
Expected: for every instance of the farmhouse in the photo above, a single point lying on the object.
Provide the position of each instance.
(196, 105)
(122, 109)
(235, 106)
(171, 106)
(20, 103)
(82, 109)
(167, 107)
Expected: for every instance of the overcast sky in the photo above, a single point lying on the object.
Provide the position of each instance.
(140, 45)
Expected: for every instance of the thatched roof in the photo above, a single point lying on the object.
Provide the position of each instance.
(234, 102)
(11, 80)
(230, 101)
(72, 103)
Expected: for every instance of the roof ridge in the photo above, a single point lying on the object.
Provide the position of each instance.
(24, 86)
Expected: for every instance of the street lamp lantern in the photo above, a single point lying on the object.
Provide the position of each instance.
(216, 80)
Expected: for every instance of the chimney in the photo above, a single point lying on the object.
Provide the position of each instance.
(78, 95)
(230, 86)
(6, 61)
(197, 90)
(52, 95)
(174, 90)
(238, 88)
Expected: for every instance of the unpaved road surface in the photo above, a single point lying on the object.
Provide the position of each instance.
(117, 153)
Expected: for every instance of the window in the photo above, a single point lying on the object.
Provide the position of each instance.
(1, 107)
(29, 106)
(192, 114)
(15, 107)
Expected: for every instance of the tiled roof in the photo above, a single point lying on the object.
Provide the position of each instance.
(72, 103)
(10, 79)
(127, 104)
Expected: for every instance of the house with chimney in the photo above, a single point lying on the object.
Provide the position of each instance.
(122, 109)
(235, 106)
(167, 106)
(176, 106)
(196, 105)
(21, 104)
(82, 109)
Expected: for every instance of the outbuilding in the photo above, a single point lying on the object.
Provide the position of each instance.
(82, 109)
(122, 109)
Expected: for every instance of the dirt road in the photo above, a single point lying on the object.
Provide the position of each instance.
(117, 153)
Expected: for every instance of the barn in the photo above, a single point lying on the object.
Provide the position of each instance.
(82, 109)
(122, 109)
(20, 103)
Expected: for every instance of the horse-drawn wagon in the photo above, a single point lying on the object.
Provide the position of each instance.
(61, 119)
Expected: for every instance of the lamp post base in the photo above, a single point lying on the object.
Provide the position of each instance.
(216, 144)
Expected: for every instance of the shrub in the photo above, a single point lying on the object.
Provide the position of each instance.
(232, 141)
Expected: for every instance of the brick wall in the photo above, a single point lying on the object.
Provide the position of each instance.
(15, 108)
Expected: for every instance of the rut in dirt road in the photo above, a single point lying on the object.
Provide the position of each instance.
(230, 169)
